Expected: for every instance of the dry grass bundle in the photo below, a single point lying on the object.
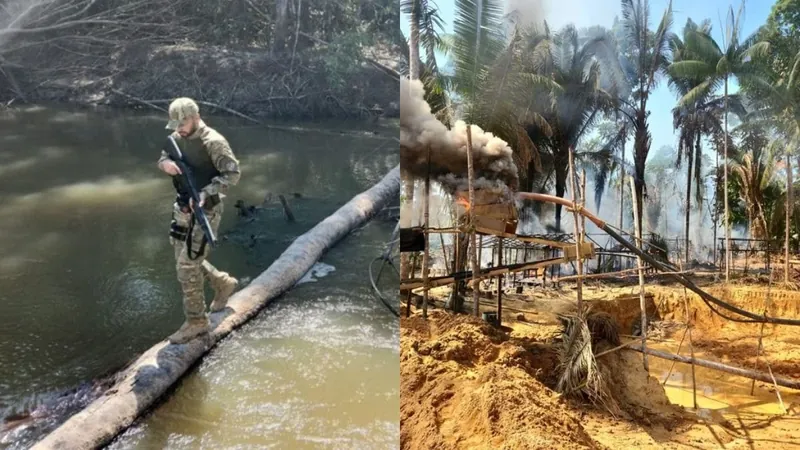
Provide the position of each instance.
(579, 375)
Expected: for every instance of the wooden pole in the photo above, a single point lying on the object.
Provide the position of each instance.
(444, 254)
(595, 276)
(642, 304)
(715, 218)
(789, 204)
(680, 345)
(413, 270)
(688, 331)
(480, 248)
(751, 374)
(691, 347)
(475, 266)
(761, 333)
(426, 254)
(577, 230)
(454, 294)
(622, 185)
(500, 282)
(583, 206)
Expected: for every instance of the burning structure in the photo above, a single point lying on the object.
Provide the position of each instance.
(421, 132)
(429, 148)
(431, 151)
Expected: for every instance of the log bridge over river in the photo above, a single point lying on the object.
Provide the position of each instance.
(140, 384)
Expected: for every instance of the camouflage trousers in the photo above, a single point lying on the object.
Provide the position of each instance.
(192, 273)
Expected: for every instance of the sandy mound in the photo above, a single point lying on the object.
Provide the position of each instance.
(465, 385)
(639, 396)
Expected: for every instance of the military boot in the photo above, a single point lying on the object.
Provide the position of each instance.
(223, 288)
(190, 329)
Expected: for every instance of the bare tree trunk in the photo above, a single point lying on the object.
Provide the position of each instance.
(426, 255)
(281, 25)
(460, 257)
(688, 205)
(562, 171)
(577, 229)
(789, 203)
(726, 221)
(296, 32)
(716, 216)
(413, 56)
(474, 252)
(640, 264)
(406, 214)
(408, 188)
(621, 186)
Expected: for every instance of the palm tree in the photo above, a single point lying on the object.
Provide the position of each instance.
(646, 56)
(426, 26)
(754, 166)
(424, 21)
(573, 103)
(601, 157)
(661, 182)
(710, 63)
(488, 77)
(778, 105)
(701, 118)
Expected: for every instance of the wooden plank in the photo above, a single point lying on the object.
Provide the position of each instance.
(415, 283)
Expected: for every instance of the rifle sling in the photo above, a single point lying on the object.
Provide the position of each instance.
(192, 222)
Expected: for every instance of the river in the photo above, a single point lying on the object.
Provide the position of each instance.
(87, 282)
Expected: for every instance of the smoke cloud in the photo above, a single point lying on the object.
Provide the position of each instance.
(420, 130)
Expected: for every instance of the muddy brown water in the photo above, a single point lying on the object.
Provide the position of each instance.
(718, 394)
(87, 282)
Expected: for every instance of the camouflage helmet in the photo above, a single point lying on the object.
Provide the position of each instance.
(179, 109)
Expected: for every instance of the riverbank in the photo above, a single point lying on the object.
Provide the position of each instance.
(251, 83)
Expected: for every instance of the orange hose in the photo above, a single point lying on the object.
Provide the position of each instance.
(561, 201)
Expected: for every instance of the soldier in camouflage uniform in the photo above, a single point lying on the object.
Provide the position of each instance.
(215, 169)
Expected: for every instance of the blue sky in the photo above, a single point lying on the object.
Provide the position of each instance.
(584, 13)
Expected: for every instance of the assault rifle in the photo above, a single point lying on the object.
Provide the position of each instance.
(184, 183)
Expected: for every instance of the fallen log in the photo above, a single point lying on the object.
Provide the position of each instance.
(751, 374)
(147, 378)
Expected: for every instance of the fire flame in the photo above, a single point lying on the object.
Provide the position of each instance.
(463, 201)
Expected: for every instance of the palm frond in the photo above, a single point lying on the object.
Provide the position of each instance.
(476, 43)
(702, 47)
(578, 371)
(697, 93)
(692, 70)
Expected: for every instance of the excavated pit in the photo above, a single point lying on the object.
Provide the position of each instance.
(467, 385)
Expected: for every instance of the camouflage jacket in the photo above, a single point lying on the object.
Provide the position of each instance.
(221, 156)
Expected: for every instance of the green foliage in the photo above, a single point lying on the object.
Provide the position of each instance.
(782, 31)
(737, 212)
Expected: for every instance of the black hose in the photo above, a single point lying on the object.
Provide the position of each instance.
(375, 287)
(385, 257)
(707, 298)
